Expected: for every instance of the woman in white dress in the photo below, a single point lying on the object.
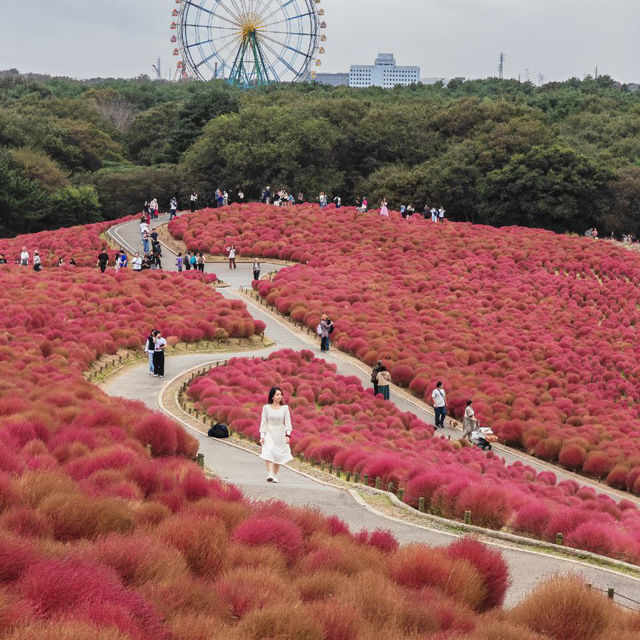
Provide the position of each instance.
(275, 434)
(384, 209)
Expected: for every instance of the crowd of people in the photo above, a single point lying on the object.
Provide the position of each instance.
(25, 259)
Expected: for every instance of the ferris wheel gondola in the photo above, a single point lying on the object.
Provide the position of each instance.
(250, 42)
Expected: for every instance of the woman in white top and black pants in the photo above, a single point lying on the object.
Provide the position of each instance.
(275, 434)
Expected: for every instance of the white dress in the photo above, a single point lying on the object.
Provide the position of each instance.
(275, 423)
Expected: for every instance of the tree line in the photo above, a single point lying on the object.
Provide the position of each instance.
(564, 156)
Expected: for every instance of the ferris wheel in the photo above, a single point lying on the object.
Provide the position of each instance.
(249, 42)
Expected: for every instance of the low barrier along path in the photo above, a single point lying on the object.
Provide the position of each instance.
(244, 469)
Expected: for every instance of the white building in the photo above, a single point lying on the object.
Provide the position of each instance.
(383, 73)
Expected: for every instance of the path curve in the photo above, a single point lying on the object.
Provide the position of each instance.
(281, 331)
(246, 471)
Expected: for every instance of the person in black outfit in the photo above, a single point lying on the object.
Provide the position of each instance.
(158, 355)
(378, 367)
(103, 259)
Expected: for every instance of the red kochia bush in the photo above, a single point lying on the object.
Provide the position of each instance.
(491, 566)
(16, 555)
(286, 536)
(416, 567)
(572, 456)
(89, 590)
(564, 608)
(160, 432)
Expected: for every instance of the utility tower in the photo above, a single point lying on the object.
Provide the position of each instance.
(501, 66)
(158, 69)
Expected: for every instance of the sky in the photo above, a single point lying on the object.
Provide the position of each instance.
(545, 40)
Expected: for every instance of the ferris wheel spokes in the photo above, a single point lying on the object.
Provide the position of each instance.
(250, 42)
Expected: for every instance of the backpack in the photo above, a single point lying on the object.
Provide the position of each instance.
(218, 430)
(319, 329)
(331, 328)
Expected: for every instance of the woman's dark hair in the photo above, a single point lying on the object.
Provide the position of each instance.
(272, 392)
(469, 402)
(382, 367)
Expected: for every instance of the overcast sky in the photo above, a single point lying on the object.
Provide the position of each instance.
(556, 39)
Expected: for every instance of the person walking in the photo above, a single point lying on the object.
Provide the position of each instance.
(103, 259)
(173, 208)
(24, 257)
(145, 241)
(149, 349)
(193, 200)
(325, 329)
(136, 262)
(439, 398)
(37, 263)
(156, 255)
(384, 380)
(121, 260)
(374, 376)
(232, 256)
(275, 433)
(179, 262)
(200, 262)
(153, 209)
(469, 422)
(256, 269)
(159, 346)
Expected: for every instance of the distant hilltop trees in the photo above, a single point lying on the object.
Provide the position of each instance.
(565, 155)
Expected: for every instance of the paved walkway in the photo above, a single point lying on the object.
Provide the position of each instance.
(281, 332)
(246, 470)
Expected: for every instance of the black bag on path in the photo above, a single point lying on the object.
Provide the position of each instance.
(218, 430)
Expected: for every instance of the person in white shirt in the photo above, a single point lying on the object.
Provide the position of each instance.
(469, 422)
(24, 257)
(136, 263)
(232, 256)
(275, 434)
(441, 214)
(158, 355)
(439, 398)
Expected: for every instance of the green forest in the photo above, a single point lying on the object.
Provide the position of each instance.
(564, 156)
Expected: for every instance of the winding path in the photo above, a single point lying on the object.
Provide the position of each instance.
(246, 470)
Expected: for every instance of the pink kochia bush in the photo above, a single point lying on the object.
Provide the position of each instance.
(539, 329)
(337, 421)
(100, 540)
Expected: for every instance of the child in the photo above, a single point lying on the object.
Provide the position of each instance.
(179, 262)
